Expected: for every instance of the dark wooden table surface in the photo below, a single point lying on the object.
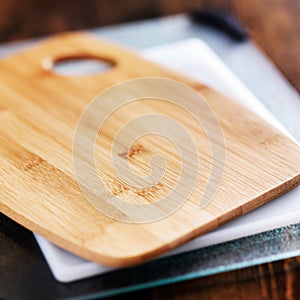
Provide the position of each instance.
(278, 280)
(275, 26)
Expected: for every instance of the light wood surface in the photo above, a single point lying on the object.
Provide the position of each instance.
(39, 113)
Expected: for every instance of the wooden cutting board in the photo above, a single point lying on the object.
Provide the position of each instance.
(40, 112)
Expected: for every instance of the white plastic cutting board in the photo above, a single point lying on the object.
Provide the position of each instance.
(195, 59)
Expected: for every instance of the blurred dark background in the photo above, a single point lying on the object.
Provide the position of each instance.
(21, 19)
(273, 24)
(27, 18)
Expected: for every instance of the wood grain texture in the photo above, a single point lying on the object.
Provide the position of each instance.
(277, 280)
(39, 113)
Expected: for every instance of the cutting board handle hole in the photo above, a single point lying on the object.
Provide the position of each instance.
(82, 65)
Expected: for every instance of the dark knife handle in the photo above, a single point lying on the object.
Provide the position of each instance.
(222, 21)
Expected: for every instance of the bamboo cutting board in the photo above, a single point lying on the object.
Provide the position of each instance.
(39, 112)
